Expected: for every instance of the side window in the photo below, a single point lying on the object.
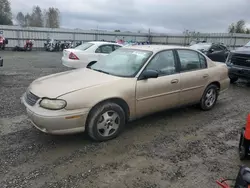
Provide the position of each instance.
(203, 61)
(216, 48)
(98, 50)
(223, 47)
(106, 49)
(189, 60)
(116, 47)
(163, 62)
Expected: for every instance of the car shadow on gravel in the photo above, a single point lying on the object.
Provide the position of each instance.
(160, 120)
(242, 83)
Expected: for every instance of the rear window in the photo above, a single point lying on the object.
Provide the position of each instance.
(201, 46)
(84, 46)
(248, 44)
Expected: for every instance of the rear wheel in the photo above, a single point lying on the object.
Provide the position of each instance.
(209, 97)
(106, 121)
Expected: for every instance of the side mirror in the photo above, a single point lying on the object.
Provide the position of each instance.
(148, 74)
(91, 63)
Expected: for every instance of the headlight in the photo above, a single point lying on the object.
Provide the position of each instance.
(53, 104)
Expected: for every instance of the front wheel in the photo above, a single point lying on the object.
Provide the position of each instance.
(106, 121)
(209, 97)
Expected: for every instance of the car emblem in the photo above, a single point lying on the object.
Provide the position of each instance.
(248, 61)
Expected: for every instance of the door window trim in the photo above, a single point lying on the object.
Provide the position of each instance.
(179, 61)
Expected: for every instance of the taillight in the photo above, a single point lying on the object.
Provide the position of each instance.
(73, 56)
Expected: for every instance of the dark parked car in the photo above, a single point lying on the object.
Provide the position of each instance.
(1, 62)
(215, 51)
(238, 63)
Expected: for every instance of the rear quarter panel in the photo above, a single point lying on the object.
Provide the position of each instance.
(218, 72)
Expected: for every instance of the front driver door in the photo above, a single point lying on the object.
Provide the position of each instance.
(160, 93)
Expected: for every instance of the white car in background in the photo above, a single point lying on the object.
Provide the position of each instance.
(81, 56)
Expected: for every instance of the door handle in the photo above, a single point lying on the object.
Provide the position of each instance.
(205, 75)
(174, 81)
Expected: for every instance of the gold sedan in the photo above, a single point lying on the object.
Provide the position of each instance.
(129, 83)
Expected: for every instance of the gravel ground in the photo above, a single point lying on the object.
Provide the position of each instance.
(179, 148)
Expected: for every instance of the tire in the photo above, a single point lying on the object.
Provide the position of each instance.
(105, 115)
(209, 97)
(242, 148)
(233, 80)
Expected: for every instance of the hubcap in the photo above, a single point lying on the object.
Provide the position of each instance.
(108, 123)
(210, 97)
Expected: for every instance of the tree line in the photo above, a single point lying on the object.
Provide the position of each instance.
(239, 27)
(49, 18)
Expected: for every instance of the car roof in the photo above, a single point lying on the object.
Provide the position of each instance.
(155, 48)
(203, 43)
(102, 42)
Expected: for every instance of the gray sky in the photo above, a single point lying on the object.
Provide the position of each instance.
(158, 15)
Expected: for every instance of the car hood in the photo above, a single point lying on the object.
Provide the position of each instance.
(242, 50)
(55, 85)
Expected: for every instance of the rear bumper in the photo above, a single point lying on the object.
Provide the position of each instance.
(73, 63)
(240, 72)
(224, 85)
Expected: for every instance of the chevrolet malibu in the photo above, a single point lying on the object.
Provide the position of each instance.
(129, 83)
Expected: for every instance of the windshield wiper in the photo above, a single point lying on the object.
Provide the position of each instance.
(101, 71)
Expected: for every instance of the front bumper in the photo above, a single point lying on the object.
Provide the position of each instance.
(56, 121)
(240, 72)
(1, 62)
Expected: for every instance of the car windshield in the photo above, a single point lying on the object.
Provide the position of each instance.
(248, 44)
(122, 62)
(84, 46)
(201, 46)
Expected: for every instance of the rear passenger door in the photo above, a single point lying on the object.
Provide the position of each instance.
(193, 75)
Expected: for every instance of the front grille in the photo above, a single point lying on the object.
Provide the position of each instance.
(30, 98)
(241, 59)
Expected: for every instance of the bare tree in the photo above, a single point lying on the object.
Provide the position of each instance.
(231, 28)
(52, 18)
(36, 17)
(247, 31)
(27, 19)
(20, 19)
(238, 27)
(5, 13)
